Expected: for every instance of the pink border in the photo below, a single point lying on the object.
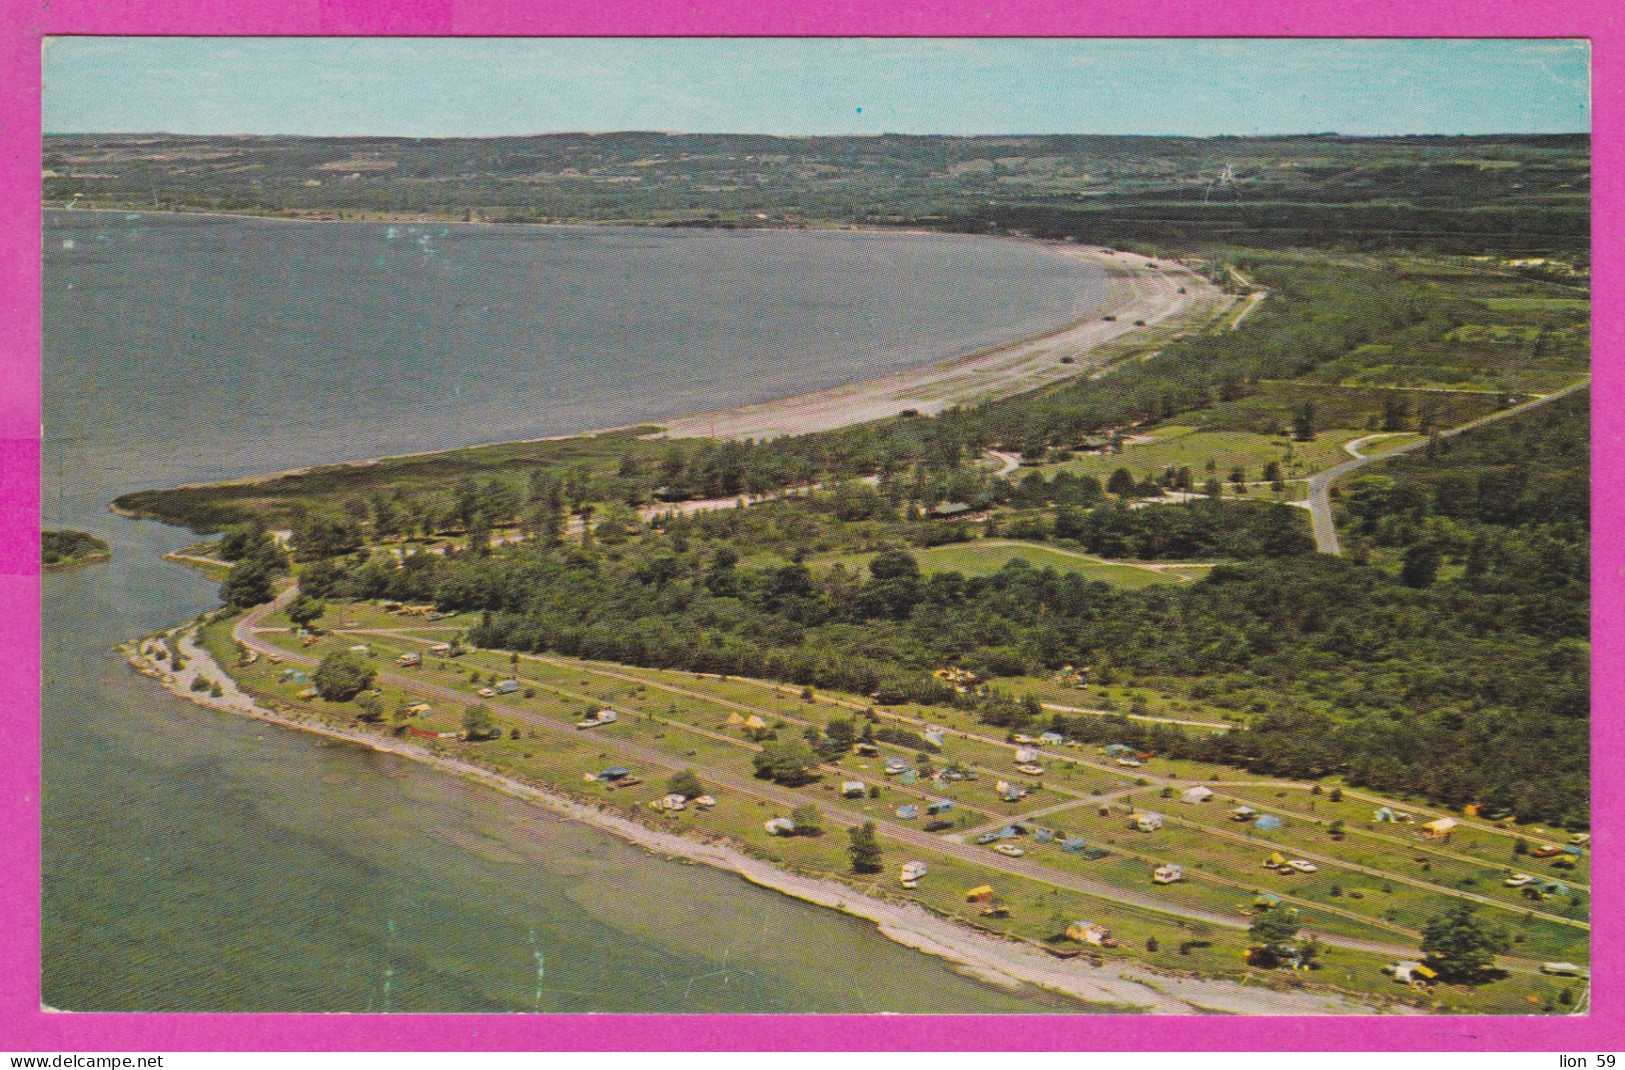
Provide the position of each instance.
(25, 1027)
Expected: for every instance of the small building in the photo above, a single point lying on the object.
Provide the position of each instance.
(1437, 830)
(854, 789)
(911, 873)
(1564, 969)
(1168, 874)
(1268, 823)
(1198, 794)
(1087, 932)
(779, 826)
(1409, 973)
(982, 893)
(1145, 822)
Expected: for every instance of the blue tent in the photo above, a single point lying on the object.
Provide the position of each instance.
(1074, 845)
(1043, 835)
(908, 813)
(1268, 823)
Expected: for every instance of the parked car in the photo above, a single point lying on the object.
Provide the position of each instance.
(1518, 880)
(1009, 849)
(1302, 866)
(987, 837)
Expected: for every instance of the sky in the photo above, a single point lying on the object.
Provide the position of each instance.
(481, 87)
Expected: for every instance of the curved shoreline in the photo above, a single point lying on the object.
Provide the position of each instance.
(994, 372)
(1007, 963)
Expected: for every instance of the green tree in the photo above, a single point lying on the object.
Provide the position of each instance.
(248, 584)
(478, 722)
(786, 762)
(1121, 483)
(305, 610)
(1274, 930)
(342, 676)
(1303, 423)
(809, 822)
(684, 782)
(1460, 946)
(1421, 566)
(865, 849)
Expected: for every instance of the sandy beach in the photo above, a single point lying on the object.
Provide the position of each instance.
(1138, 293)
(1005, 962)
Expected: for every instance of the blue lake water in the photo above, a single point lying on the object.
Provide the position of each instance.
(194, 861)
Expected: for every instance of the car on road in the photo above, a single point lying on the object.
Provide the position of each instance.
(1009, 849)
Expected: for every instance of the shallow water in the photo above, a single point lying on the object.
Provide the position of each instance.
(197, 861)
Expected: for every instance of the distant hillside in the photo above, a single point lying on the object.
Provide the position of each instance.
(1527, 194)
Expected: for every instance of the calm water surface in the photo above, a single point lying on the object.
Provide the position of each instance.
(194, 861)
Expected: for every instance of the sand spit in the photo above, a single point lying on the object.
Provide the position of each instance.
(1005, 962)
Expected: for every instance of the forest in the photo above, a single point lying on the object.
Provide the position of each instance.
(1455, 685)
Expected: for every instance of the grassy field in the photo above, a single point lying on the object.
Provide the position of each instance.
(1180, 446)
(984, 558)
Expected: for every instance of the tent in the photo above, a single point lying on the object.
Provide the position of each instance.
(1198, 794)
(1438, 829)
(1268, 823)
(908, 813)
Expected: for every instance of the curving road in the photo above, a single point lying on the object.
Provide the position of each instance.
(1319, 503)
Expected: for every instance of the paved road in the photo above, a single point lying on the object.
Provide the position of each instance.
(1320, 506)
